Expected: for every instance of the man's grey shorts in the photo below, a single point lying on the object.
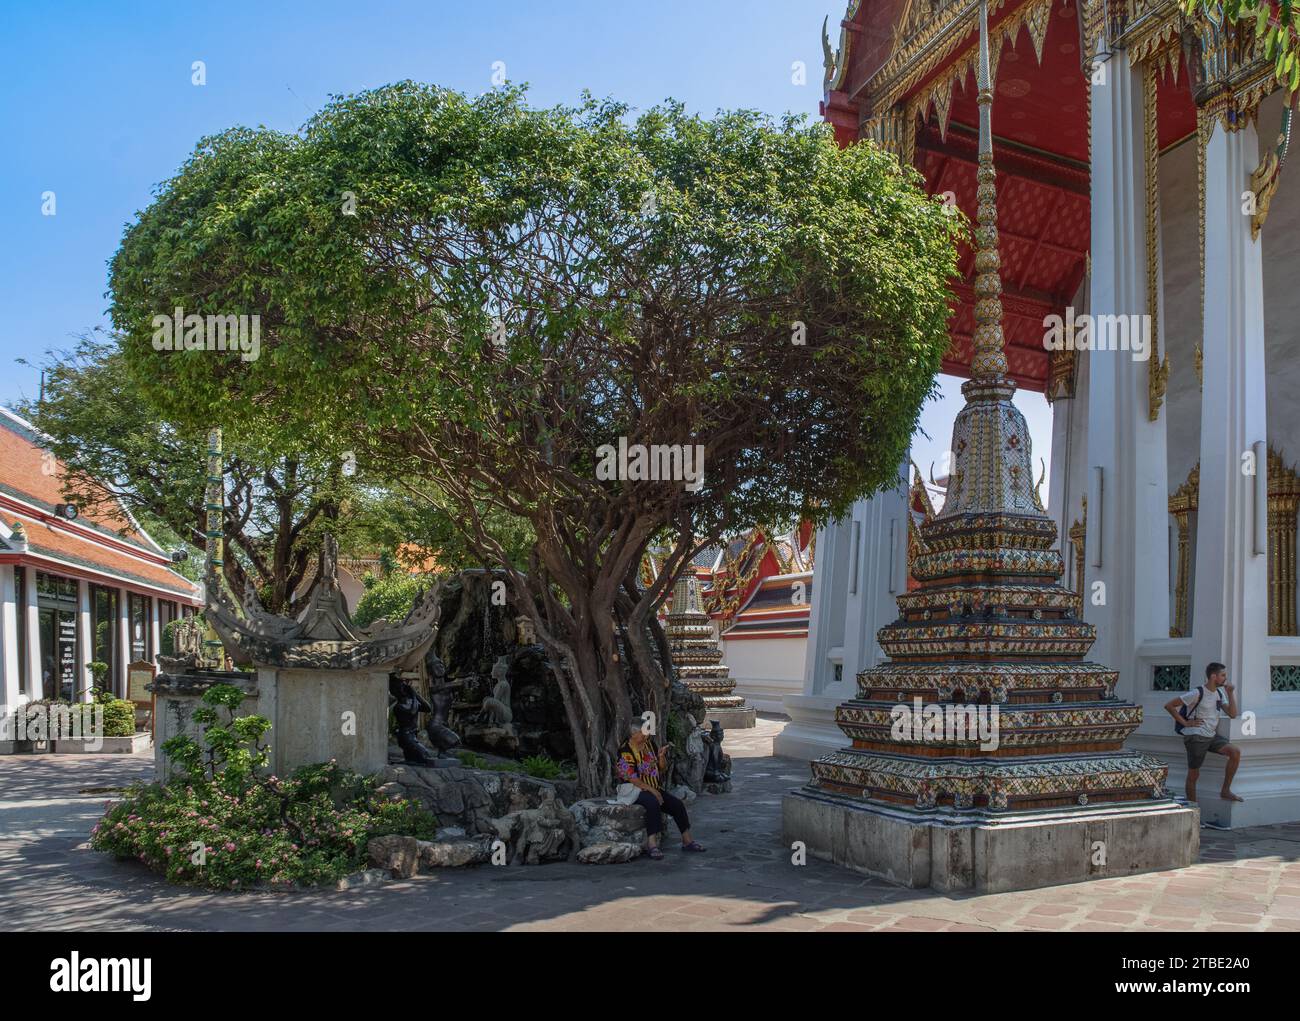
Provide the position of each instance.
(1198, 747)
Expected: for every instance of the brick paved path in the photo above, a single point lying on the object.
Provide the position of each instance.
(50, 879)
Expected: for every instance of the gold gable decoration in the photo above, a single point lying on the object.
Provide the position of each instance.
(1283, 505)
(1181, 505)
(835, 63)
(911, 63)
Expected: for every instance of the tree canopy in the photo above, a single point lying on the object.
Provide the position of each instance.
(487, 297)
(118, 451)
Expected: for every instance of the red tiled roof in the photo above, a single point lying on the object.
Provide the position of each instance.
(97, 545)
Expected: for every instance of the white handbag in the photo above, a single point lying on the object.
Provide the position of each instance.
(625, 795)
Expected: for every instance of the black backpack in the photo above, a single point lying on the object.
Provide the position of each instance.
(1182, 713)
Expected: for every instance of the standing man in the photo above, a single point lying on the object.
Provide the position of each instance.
(1197, 713)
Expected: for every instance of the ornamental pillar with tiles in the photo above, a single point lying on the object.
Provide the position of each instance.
(987, 754)
(697, 657)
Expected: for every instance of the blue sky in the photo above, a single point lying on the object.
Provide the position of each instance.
(99, 107)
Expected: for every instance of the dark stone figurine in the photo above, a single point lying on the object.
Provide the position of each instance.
(441, 736)
(407, 706)
(714, 770)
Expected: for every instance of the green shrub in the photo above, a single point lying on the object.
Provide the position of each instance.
(543, 767)
(307, 830)
(231, 750)
(119, 718)
(390, 597)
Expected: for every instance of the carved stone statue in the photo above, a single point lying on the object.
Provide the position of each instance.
(407, 706)
(441, 736)
(714, 767)
(525, 630)
(496, 707)
(324, 636)
(187, 647)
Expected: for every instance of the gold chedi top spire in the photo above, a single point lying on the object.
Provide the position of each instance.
(989, 361)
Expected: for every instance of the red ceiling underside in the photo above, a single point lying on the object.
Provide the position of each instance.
(1043, 230)
(1041, 151)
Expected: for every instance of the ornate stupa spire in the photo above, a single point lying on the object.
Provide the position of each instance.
(992, 464)
(989, 361)
(989, 638)
(697, 657)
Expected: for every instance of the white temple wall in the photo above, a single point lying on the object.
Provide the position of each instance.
(1281, 238)
(766, 670)
(861, 567)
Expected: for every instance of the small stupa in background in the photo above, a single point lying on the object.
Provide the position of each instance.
(697, 657)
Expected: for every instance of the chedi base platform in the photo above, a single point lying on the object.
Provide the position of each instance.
(953, 852)
(744, 718)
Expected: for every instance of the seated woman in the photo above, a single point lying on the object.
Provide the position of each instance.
(640, 762)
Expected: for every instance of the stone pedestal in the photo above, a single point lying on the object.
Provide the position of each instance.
(950, 853)
(315, 715)
(739, 718)
(318, 715)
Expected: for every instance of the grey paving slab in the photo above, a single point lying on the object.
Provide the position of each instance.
(50, 879)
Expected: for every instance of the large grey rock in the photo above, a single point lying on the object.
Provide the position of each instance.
(362, 880)
(599, 822)
(607, 853)
(456, 852)
(399, 855)
(683, 794)
(536, 835)
(688, 768)
(467, 798)
(498, 738)
(567, 791)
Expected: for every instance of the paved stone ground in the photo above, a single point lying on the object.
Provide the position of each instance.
(50, 879)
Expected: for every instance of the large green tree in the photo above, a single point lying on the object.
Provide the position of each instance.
(118, 450)
(484, 295)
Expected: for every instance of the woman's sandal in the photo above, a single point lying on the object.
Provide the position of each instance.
(655, 854)
(694, 845)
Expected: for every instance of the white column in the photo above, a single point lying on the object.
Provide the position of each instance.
(826, 612)
(155, 629)
(85, 641)
(1126, 452)
(1058, 486)
(882, 577)
(32, 621)
(1230, 614)
(861, 566)
(9, 619)
(124, 638)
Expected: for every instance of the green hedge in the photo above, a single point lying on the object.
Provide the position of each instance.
(311, 829)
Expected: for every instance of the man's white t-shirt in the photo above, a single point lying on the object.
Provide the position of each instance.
(1206, 713)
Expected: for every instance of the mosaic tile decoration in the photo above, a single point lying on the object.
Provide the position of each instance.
(990, 622)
